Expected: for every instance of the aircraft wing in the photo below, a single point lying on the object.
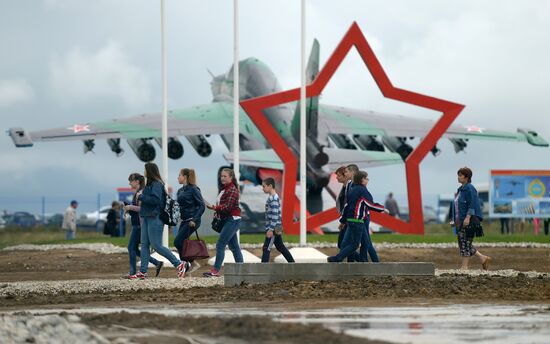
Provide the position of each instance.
(213, 118)
(363, 159)
(267, 158)
(341, 120)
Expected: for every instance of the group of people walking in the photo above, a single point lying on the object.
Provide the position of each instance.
(147, 227)
(354, 204)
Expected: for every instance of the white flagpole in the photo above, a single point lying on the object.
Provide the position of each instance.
(164, 113)
(236, 131)
(303, 202)
(236, 86)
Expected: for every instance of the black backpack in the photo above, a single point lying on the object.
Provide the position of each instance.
(170, 212)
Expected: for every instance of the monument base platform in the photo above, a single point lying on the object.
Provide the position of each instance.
(235, 274)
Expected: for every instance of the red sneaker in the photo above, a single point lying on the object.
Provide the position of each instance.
(212, 273)
(141, 275)
(182, 269)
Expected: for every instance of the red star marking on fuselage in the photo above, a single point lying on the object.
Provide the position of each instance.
(77, 128)
(474, 129)
(354, 37)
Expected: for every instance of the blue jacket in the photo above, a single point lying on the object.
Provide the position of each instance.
(468, 202)
(359, 202)
(191, 203)
(152, 200)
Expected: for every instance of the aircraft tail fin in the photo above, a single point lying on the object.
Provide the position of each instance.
(312, 103)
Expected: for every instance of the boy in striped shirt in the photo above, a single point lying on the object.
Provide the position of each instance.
(273, 224)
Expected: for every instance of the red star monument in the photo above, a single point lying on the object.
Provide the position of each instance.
(354, 37)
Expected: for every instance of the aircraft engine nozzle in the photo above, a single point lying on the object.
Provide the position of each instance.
(368, 142)
(143, 149)
(320, 159)
(398, 145)
(315, 154)
(114, 144)
(175, 148)
(199, 143)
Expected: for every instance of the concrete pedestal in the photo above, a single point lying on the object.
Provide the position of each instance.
(235, 274)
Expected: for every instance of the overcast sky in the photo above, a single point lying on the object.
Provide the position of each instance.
(64, 62)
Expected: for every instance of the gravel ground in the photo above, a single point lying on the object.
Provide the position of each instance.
(108, 248)
(26, 328)
(112, 286)
(72, 287)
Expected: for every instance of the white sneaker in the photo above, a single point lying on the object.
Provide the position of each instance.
(194, 266)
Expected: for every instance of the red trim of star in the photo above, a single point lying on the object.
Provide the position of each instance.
(353, 38)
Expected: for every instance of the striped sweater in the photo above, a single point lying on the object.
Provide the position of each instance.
(272, 212)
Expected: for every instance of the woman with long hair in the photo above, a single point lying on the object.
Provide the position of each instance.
(227, 210)
(191, 209)
(153, 199)
(466, 211)
(137, 183)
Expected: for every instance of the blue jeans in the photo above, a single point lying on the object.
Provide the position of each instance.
(133, 249)
(367, 248)
(276, 239)
(184, 232)
(228, 236)
(151, 234)
(341, 235)
(351, 241)
(69, 235)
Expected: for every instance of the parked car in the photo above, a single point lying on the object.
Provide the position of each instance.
(20, 219)
(54, 219)
(91, 219)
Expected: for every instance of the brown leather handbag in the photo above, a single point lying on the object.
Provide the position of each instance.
(194, 249)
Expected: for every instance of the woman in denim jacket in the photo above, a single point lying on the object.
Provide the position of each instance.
(227, 209)
(191, 209)
(153, 199)
(467, 210)
(137, 183)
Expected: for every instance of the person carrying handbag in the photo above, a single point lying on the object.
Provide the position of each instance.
(227, 209)
(152, 200)
(191, 209)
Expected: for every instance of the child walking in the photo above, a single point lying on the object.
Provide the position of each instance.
(273, 224)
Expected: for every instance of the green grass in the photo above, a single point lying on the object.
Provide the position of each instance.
(436, 233)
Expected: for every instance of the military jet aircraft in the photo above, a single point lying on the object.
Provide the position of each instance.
(335, 135)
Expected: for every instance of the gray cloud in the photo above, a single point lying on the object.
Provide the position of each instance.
(80, 76)
(15, 91)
